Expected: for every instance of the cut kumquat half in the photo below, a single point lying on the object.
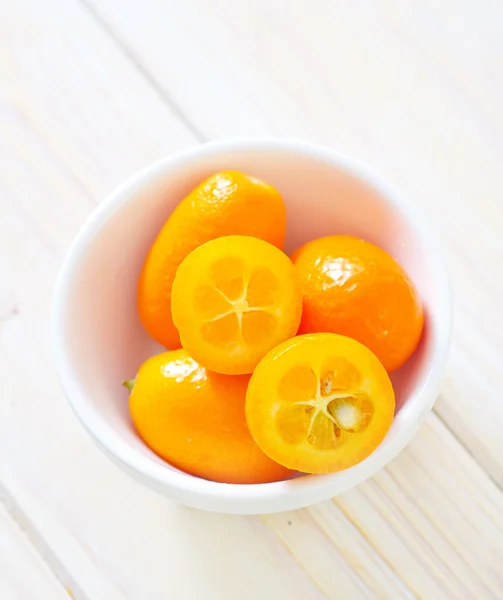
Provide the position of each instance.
(233, 299)
(319, 403)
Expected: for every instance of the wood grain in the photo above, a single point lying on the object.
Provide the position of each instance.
(23, 574)
(90, 91)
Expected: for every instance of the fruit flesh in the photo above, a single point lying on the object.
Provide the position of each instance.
(228, 203)
(319, 403)
(233, 300)
(328, 403)
(236, 304)
(195, 420)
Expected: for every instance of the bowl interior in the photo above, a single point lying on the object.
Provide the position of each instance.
(102, 337)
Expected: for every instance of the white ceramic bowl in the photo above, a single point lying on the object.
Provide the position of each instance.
(99, 341)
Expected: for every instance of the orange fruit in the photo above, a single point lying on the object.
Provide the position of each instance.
(195, 420)
(227, 203)
(233, 300)
(354, 288)
(319, 403)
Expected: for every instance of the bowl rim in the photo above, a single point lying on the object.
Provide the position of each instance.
(249, 498)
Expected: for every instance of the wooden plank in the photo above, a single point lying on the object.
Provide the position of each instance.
(23, 575)
(122, 541)
(413, 530)
(78, 101)
(335, 554)
(171, 41)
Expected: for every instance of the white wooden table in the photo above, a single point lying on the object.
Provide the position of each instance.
(90, 91)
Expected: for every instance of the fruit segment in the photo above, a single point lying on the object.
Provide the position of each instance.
(319, 403)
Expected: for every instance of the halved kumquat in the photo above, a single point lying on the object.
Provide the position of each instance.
(319, 403)
(233, 299)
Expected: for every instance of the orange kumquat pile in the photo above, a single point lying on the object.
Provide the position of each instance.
(274, 364)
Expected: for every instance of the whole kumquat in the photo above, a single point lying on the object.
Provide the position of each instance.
(354, 288)
(195, 420)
